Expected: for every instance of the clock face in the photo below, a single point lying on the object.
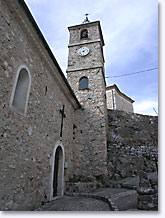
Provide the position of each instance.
(83, 51)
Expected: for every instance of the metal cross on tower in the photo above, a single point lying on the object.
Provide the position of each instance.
(86, 19)
(62, 118)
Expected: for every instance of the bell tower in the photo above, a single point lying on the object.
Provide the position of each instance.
(85, 73)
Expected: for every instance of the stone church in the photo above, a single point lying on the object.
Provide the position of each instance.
(52, 128)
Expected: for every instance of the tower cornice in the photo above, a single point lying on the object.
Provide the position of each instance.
(84, 43)
(84, 68)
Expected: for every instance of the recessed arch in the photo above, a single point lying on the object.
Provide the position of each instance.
(21, 90)
(84, 33)
(83, 83)
(57, 176)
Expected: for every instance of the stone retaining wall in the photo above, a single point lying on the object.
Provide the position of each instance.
(147, 193)
(132, 144)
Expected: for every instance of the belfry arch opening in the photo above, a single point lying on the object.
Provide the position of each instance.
(84, 34)
(58, 172)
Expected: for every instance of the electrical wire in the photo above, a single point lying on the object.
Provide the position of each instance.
(128, 74)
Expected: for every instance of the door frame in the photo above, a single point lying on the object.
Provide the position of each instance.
(61, 168)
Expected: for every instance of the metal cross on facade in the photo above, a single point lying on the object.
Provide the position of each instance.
(62, 118)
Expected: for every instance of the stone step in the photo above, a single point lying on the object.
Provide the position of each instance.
(122, 199)
(126, 200)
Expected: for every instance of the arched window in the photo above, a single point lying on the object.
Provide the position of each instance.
(21, 90)
(83, 84)
(84, 33)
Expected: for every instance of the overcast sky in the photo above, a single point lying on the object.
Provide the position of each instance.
(130, 31)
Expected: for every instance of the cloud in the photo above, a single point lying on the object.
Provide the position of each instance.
(132, 29)
(146, 107)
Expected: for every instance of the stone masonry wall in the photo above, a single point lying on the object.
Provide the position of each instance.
(132, 151)
(110, 102)
(132, 144)
(90, 152)
(147, 192)
(117, 102)
(93, 59)
(90, 130)
(27, 142)
(122, 104)
(93, 33)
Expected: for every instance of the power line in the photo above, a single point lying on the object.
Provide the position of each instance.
(128, 74)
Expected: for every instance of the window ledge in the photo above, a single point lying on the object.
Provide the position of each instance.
(84, 89)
